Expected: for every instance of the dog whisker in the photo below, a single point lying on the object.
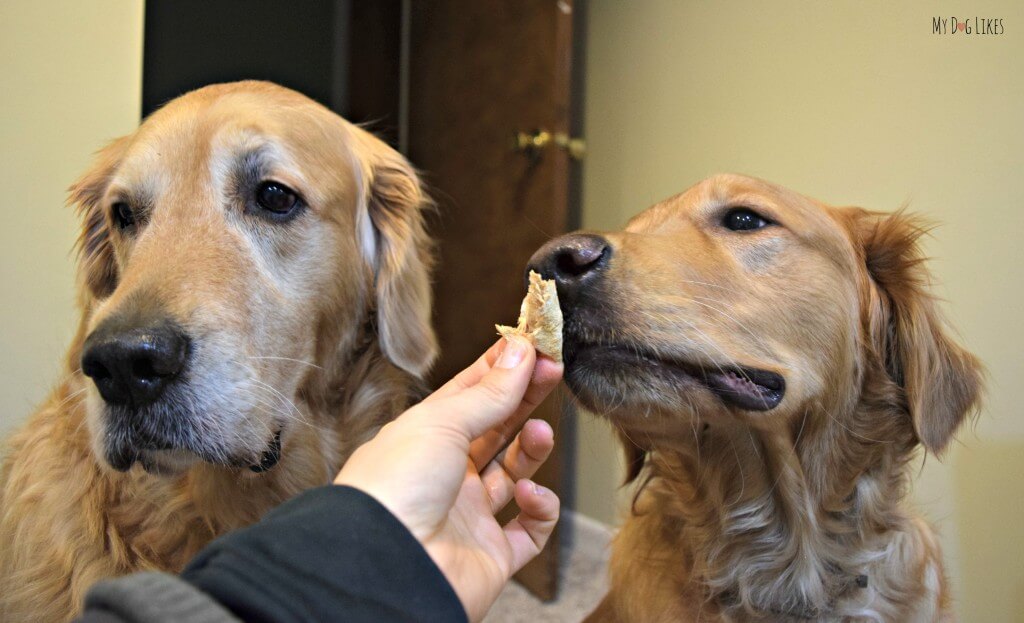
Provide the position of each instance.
(737, 323)
(706, 340)
(710, 285)
(295, 412)
(743, 480)
(299, 361)
(71, 397)
(796, 443)
(279, 411)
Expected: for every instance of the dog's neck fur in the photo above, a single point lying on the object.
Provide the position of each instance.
(790, 524)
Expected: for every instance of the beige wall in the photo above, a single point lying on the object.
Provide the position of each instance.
(852, 102)
(71, 81)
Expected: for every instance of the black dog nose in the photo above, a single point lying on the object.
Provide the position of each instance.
(571, 260)
(132, 365)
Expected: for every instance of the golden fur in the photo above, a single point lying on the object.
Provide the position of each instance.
(319, 327)
(796, 512)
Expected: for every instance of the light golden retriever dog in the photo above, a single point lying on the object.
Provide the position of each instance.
(255, 303)
(772, 364)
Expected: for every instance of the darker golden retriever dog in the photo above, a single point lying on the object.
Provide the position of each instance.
(772, 364)
(255, 303)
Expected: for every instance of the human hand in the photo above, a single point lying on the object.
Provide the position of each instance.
(435, 469)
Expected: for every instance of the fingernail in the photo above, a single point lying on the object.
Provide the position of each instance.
(539, 490)
(513, 353)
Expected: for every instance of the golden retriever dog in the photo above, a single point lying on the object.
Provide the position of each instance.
(772, 364)
(255, 303)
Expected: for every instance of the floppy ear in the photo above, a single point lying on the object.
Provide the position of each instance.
(396, 245)
(95, 250)
(941, 381)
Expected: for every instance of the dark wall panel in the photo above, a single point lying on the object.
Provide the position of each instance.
(300, 44)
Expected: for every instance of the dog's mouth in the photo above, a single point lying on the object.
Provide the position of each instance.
(159, 457)
(748, 388)
(270, 456)
(744, 387)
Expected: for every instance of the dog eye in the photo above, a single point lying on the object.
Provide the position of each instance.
(276, 198)
(743, 219)
(123, 215)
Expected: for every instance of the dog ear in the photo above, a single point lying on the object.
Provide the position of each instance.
(95, 250)
(941, 382)
(396, 244)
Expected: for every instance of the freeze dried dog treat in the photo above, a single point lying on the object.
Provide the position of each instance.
(540, 318)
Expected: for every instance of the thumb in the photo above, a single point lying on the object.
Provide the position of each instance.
(497, 395)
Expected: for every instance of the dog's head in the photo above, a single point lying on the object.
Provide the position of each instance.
(742, 303)
(236, 249)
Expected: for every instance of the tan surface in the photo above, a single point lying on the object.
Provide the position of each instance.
(991, 471)
(851, 103)
(72, 81)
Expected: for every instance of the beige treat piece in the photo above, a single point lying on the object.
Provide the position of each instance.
(540, 318)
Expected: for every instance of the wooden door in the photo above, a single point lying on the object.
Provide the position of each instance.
(479, 72)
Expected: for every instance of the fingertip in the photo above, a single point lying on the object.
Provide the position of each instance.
(517, 351)
(537, 439)
(537, 428)
(491, 355)
(527, 489)
(536, 501)
(547, 371)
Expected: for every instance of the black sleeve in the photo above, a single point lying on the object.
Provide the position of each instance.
(331, 554)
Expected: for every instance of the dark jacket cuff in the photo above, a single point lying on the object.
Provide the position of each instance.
(330, 554)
